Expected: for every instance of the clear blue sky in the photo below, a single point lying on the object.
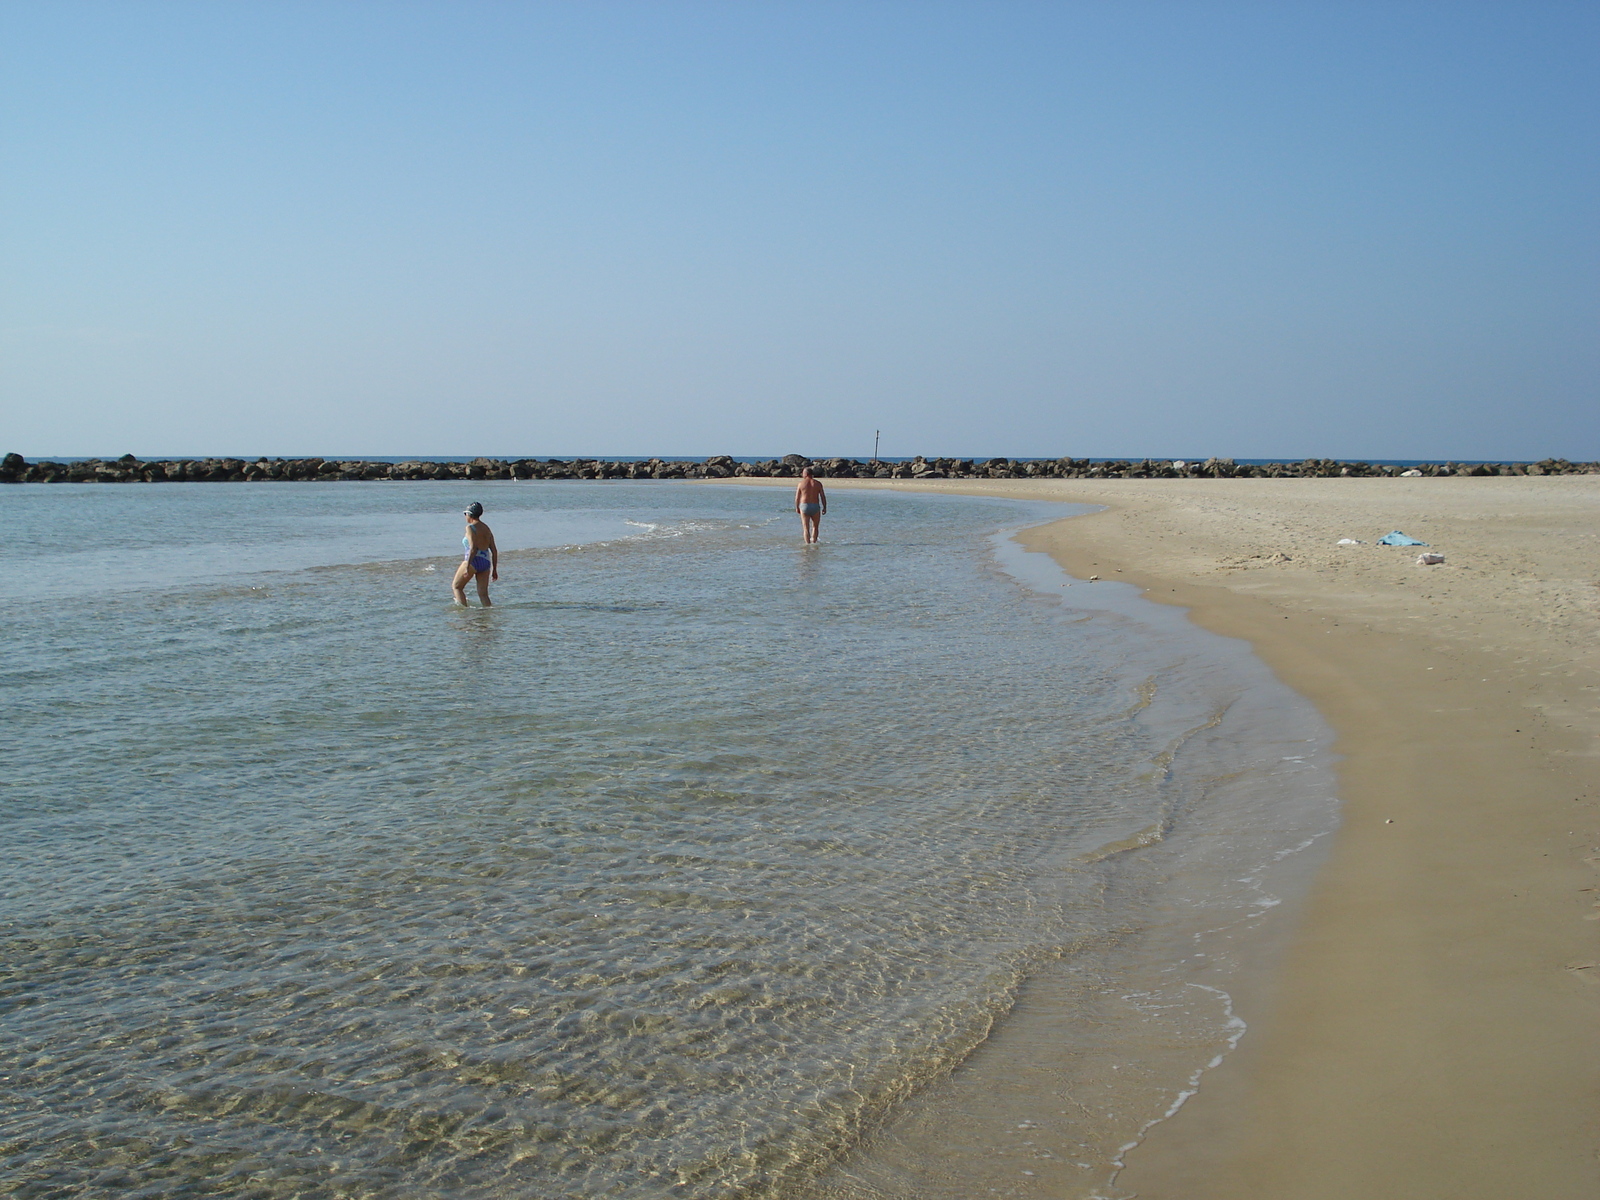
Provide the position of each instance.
(1030, 229)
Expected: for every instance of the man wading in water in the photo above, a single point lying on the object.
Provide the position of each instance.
(811, 502)
(482, 560)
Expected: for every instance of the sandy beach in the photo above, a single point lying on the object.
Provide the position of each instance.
(1433, 1029)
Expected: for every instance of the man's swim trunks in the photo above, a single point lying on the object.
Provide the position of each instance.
(811, 510)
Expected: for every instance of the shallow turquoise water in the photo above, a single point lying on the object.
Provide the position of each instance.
(691, 858)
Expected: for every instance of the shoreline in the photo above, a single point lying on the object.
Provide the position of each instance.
(1109, 1035)
(1432, 1029)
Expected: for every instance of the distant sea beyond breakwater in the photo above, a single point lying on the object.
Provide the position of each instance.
(128, 469)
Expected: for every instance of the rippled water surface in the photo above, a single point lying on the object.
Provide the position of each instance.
(667, 876)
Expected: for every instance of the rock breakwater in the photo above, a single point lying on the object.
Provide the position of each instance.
(128, 469)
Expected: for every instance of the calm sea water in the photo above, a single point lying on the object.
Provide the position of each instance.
(689, 862)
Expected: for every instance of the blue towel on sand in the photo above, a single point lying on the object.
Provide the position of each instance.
(1399, 539)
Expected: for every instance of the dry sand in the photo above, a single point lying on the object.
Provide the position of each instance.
(1434, 1028)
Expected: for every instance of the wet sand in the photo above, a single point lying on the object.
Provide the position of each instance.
(1433, 1026)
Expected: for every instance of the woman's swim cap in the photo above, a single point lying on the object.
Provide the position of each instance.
(474, 509)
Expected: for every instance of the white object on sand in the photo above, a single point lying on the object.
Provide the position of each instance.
(1350, 542)
(1428, 560)
(1411, 474)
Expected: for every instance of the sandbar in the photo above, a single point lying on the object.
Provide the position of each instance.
(1432, 1028)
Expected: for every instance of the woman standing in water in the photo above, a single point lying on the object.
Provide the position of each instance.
(482, 559)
